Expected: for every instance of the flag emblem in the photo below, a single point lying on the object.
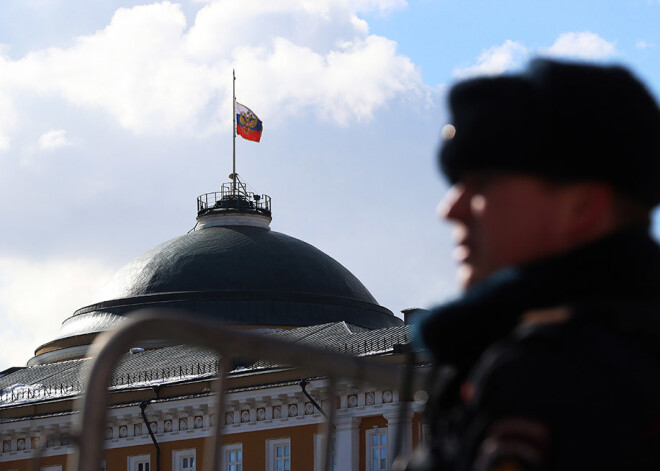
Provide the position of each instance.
(248, 125)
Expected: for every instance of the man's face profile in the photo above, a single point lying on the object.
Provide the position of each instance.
(502, 219)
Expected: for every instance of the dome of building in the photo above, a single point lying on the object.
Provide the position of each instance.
(232, 268)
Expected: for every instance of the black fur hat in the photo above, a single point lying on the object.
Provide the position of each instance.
(562, 121)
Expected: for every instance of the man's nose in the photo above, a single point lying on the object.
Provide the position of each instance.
(455, 206)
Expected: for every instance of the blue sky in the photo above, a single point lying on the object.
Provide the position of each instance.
(115, 116)
(440, 35)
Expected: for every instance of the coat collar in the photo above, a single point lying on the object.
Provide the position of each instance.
(623, 265)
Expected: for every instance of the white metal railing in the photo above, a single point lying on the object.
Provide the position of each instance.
(183, 327)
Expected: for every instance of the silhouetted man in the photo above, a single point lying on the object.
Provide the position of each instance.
(555, 342)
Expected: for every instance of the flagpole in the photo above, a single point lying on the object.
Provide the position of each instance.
(233, 175)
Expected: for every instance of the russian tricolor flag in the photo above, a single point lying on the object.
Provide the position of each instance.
(248, 126)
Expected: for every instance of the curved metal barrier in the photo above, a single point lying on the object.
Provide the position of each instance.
(109, 348)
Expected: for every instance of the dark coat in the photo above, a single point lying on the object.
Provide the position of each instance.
(578, 389)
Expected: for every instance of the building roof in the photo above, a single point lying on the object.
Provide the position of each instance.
(147, 368)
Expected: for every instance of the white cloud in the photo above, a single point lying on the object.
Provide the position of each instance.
(155, 74)
(495, 60)
(133, 69)
(320, 5)
(35, 297)
(7, 120)
(8, 116)
(53, 139)
(509, 55)
(344, 85)
(585, 45)
(641, 44)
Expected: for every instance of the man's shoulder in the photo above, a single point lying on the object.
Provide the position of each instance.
(583, 387)
(528, 366)
(560, 366)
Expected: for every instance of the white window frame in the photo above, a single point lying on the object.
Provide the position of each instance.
(179, 455)
(319, 444)
(370, 448)
(271, 453)
(238, 462)
(133, 462)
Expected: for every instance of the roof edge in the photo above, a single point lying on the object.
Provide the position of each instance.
(229, 296)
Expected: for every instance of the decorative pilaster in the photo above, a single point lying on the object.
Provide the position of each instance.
(347, 442)
(394, 422)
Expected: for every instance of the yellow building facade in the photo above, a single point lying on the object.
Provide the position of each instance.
(234, 269)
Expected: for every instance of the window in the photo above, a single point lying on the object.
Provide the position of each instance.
(278, 454)
(233, 458)
(377, 449)
(139, 463)
(184, 460)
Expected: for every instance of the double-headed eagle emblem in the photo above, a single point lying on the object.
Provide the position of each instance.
(248, 119)
(248, 125)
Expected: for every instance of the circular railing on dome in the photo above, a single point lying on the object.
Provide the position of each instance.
(232, 198)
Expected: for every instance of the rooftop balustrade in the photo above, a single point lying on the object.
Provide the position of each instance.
(233, 198)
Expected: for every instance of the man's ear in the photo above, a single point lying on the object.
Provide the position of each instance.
(591, 211)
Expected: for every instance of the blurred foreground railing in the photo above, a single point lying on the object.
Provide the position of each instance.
(109, 348)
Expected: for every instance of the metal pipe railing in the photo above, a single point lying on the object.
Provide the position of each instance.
(184, 327)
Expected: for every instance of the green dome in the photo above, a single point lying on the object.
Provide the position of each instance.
(243, 275)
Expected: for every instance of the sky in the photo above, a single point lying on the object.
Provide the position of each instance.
(116, 115)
